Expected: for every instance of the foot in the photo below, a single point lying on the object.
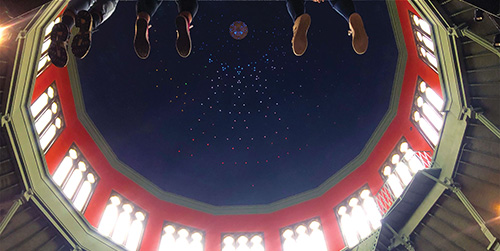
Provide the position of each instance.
(141, 38)
(58, 48)
(299, 40)
(183, 42)
(83, 39)
(358, 33)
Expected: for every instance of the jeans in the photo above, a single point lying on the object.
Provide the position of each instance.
(151, 6)
(344, 7)
(99, 9)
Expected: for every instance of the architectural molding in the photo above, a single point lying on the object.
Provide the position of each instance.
(252, 209)
(24, 140)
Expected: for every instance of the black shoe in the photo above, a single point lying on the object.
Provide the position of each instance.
(183, 42)
(58, 48)
(83, 39)
(141, 38)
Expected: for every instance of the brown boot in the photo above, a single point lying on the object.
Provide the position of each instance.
(299, 40)
(141, 38)
(358, 33)
(183, 41)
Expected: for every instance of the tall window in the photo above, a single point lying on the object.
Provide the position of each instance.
(176, 237)
(48, 117)
(303, 236)
(422, 32)
(358, 216)
(44, 61)
(242, 242)
(76, 178)
(427, 112)
(400, 167)
(123, 221)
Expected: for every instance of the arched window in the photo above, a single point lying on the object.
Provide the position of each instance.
(242, 242)
(76, 178)
(422, 32)
(398, 171)
(176, 237)
(123, 221)
(303, 236)
(358, 216)
(48, 117)
(44, 61)
(427, 112)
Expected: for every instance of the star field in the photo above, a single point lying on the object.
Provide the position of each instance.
(239, 121)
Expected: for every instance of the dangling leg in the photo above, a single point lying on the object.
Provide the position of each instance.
(87, 21)
(58, 49)
(187, 10)
(356, 27)
(145, 10)
(302, 21)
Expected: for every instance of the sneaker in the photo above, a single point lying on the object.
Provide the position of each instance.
(141, 38)
(358, 33)
(299, 40)
(183, 41)
(58, 48)
(83, 39)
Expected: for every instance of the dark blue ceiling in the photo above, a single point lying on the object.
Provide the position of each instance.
(239, 122)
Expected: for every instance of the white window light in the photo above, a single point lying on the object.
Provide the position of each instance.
(400, 167)
(422, 33)
(76, 178)
(123, 222)
(242, 242)
(177, 237)
(47, 114)
(303, 236)
(44, 58)
(427, 112)
(358, 217)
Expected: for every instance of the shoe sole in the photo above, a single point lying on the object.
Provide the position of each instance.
(58, 51)
(183, 42)
(83, 39)
(359, 37)
(141, 43)
(299, 42)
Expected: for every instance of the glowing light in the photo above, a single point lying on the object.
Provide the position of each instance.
(62, 171)
(39, 104)
(73, 183)
(82, 195)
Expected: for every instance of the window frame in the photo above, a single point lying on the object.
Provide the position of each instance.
(236, 235)
(345, 202)
(59, 114)
(45, 53)
(135, 209)
(414, 108)
(420, 44)
(90, 169)
(306, 223)
(190, 229)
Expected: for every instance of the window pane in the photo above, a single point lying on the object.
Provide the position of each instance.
(108, 220)
(82, 195)
(43, 121)
(134, 235)
(48, 136)
(304, 236)
(73, 183)
(39, 104)
(62, 171)
(122, 225)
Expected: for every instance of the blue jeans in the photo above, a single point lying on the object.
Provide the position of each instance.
(150, 6)
(344, 7)
(99, 9)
